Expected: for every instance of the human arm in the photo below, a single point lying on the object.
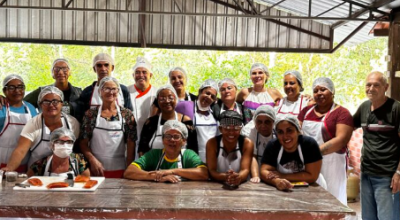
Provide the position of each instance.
(18, 154)
(146, 135)
(130, 151)
(199, 173)
(268, 175)
(96, 167)
(275, 95)
(255, 173)
(245, 163)
(342, 137)
(131, 135)
(3, 101)
(395, 184)
(242, 95)
(211, 156)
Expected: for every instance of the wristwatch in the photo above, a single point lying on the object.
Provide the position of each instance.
(398, 172)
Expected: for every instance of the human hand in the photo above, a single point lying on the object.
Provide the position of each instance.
(3, 101)
(170, 178)
(160, 173)
(283, 184)
(255, 179)
(233, 178)
(96, 167)
(395, 184)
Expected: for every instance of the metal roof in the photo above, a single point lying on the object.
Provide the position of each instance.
(243, 25)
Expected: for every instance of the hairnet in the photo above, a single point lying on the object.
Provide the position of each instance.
(50, 90)
(56, 61)
(259, 66)
(209, 83)
(169, 87)
(11, 77)
(108, 79)
(230, 117)
(265, 110)
(324, 82)
(289, 118)
(142, 62)
(103, 57)
(296, 74)
(175, 125)
(179, 69)
(226, 80)
(61, 132)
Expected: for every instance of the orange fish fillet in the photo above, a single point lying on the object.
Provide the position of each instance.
(35, 182)
(89, 184)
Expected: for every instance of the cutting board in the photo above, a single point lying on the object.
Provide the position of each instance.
(78, 187)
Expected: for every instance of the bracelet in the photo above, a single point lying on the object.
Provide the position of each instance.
(398, 172)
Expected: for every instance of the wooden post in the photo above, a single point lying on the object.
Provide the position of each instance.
(394, 52)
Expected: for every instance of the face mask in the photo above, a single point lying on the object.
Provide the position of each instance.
(202, 108)
(62, 150)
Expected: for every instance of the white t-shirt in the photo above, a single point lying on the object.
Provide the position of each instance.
(33, 129)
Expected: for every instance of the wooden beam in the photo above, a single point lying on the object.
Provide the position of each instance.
(142, 23)
(3, 2)
(349, 36)
(394, 52)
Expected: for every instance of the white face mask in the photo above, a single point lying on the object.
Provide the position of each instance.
(202, 108)
(62, 150)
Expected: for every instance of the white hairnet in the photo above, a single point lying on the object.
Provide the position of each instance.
(324, 82)
(226, 80)
(259, 66)
(56, 61)
(289, 118)
(296, 74)
(61, 132)
(179, 69)
(169, 87)
(209, 83)
(103, 57)
(50, 90)
(265, 110)
(11, 77)
(175, 125)
(108, 79)
(142, 62)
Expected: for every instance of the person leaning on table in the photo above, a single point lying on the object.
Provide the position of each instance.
(35, 136)
(171, 163)
(62, 161)
(291, 157)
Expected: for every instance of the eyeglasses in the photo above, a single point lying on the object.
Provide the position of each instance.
(13, 88)
(62, 142)
(166, 99)
(53, 102)
(57, 69)
(175, 137)
(99, 65)
(232, 127)
(110, 90)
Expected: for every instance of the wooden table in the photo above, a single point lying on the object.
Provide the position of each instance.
(119, 198)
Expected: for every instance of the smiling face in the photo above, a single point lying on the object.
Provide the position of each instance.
(375, 87)
(264, 125)
(258, 77)
(322, 96)
(207, 97)
(230, 133)
(166, 100)
(228, 92)
(177, 80)
(61, 72)
(288, 136)
(291, 86)
(109, 92)
(142, 77)
(173, 142)
(51, 105)
(14, 91)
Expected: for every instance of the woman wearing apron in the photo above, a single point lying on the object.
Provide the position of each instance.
(259, 94)
(35, 136)
(171, 163)
(294, 101)
(204, 122)
(13, 117)
(151, 136)
(229, 155)
(331, 126)
(62, 162)
(260, 131)
(108, 133)
(292, 157)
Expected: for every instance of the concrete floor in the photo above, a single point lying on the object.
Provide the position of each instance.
(356, 206)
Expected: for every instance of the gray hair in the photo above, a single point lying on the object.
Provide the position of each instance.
(50, 90)
(108, 79)
(61, 132)
(175, 125)
(384, 78)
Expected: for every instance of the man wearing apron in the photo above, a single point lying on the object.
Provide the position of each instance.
(103, 65)
(142, 94)
(13, 118)
(260, 131)
(286, 156)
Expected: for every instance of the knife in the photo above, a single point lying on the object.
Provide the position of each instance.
(70, 180)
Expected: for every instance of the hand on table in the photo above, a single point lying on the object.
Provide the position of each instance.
(170, 178)
(161, 173)
(233, 178)
(255, 179)
(283, 184)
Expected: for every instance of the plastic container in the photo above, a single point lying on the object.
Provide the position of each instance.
(1, 176)
(11, 176)
(353, 186)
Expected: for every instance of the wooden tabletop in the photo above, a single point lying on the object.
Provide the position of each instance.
(120, 198)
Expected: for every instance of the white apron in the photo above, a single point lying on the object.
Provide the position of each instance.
(95, 99)
(228, 161)
(9, 136)
(41, 147)
(108, 145)
(281, 169)
(206, 128)
(293, 108)
(260, 145)
(74, 170)
(334, 164)
(156, 141)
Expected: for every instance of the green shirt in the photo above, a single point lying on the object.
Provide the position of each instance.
(149, 160)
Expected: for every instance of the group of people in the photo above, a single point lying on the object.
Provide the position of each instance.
(167, 134)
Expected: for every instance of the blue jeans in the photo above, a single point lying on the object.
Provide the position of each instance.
(377, 199)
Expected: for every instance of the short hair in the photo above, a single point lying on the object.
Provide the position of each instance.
(383, 77)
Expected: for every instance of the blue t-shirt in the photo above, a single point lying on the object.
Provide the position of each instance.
(20, 110)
